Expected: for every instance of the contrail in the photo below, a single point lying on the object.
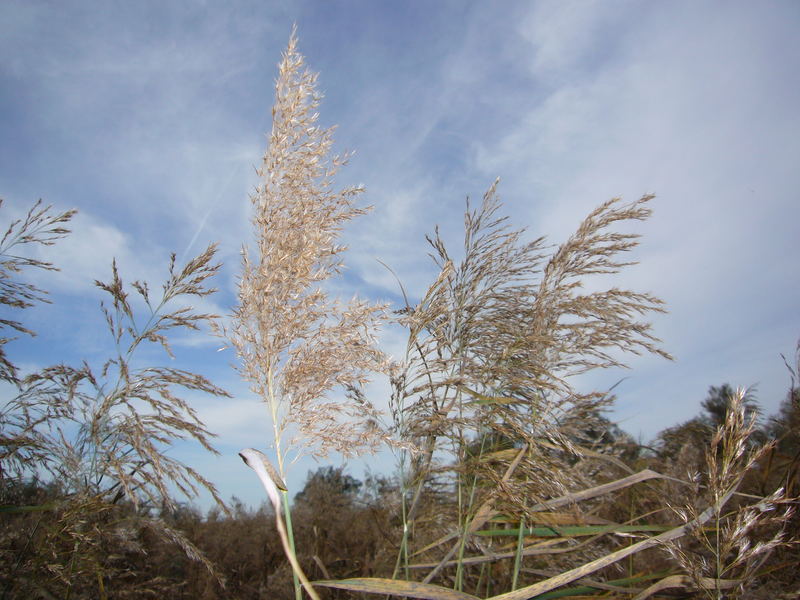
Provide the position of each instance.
(214, 205)
(233, 171)
(199, 229)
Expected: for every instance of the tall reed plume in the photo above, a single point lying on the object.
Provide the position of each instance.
(494, 347)
(297, 345)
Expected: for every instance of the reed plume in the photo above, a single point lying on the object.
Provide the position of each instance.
(99, 437)
(41, 227)
(724, 560)
(496, 342)
(296, 344)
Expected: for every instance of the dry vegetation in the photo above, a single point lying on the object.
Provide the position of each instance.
(511, 484)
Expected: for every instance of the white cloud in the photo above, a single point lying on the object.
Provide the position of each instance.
(700, 112)
(566, 35)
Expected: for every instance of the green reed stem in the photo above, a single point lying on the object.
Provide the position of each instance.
(518, 556)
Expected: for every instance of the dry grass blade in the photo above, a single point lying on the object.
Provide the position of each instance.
(687, 583)
(587, 452)
(569, 531)
(595, 565)
(590, 585)
(599, 490)
(543, 548)
(395, 587)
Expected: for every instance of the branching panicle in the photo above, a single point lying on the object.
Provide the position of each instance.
(99, 440)
(732, 555)
(296, 345)
(495, 340)
(122, 419)
(38, 227)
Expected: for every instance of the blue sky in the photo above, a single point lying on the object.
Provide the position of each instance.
(148, 118)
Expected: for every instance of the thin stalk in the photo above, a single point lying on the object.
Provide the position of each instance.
(100, 586)
(411, 512)
(518, 555)
(288, 513)
(402, 555)
(717, 550)
(462, 516)
(631, 516)
(481, 575)
(20, 556)
(291, 552)
(463, 511)
(467, 521)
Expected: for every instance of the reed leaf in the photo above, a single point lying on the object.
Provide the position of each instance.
(534, 590)
(571, 530)
(397, 587)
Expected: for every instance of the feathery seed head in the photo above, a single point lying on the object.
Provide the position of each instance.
(296, 344)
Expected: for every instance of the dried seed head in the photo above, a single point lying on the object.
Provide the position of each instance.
(297, 345)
